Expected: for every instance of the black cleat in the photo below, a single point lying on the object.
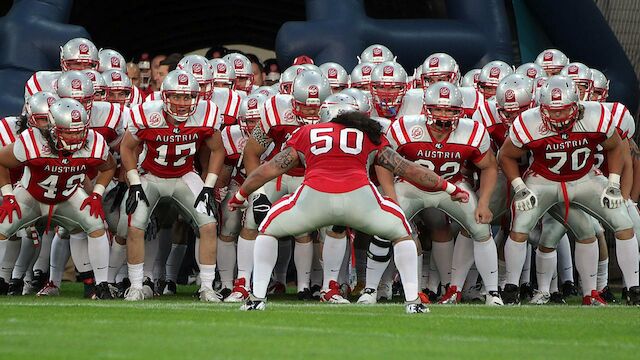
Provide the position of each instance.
(569, 289)
(315, 292)
(397, 290)
(151, 287)
(305, 295)
(526, 292)
(224, 292)
(607, 295)
(170, 288)
(39, 280)
(253, 305)
(433, 297)
(510, 295)
(4, 287)
(102, 292)
(160, 284)
(15, 287)
(633, 296)
(557, 298)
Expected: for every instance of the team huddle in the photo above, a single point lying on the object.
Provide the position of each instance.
(458, 184)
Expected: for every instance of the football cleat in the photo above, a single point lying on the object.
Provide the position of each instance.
(15, 287)
(315, 292)
(170, 288)
(254, 304)
(332, 295)
(433, 297)
(305, 295)
(369, 296)
(148, 288)
(358, 289)
(49, 289)
(276, 288)
(385, 291)
(557, 298)
(526, 292)
(4, 287)
(209, 295)
(452, 296)
(159, 287)
(493, 299)
(134, 294)
(397, 289)
(103, 292)
(607, 295)
(633, 296)
(594, 299)
(240, 292)
(540, 297)
(28, 288)
(225, 292)
(569, 289)
(39, 280)
(511, 294)
(89, 288)
(345, 290)
(416, 309)
(473, 293)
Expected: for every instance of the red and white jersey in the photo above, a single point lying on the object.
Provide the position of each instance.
(228, 102)
(169, 149)
(626, 127)
(156, 95)
(384, 122)
(41, 81)
(410, 137)
(136, 96)
(471, 100)
(567, 156)
(487, 115)
(106, 119)
(53, 178)
(337, 158)
(234, 141)
(278, 122)
(8, 134)
(411, 104)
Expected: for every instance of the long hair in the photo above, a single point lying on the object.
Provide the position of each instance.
(362, 122)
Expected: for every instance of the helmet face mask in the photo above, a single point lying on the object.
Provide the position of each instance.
(37, 109)
(443, 118)
(249, 112)
(443, 106)
(68, 125)
(559, 104)
(78, 54)
(559, 119)
(388, 96)
(310, 88)
(600, 91)
(180, 94)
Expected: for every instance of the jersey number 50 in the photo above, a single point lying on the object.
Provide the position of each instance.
(322, 143)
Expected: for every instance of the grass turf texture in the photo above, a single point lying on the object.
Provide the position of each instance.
(179, 327)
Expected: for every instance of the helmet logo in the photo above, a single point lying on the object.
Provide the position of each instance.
(313, 91)
(434, 62)
(115, 62)
(183, 79)
(556, 94)
(299, 70)
(253, 103)
(91, 76)
(196, 68)
(494, 72)
(532, 73)
(222, 68)
(238, 64)
(75, 115)
(540, 82)
(332, 73)
(548, 56)
(377, 51)
(51, 100)
(476, 77)
(509, 96)
(83, 49)
(444, 92)
(115, 76)
(366, 70)
(573, 70)
(387, 70)
(76, 84)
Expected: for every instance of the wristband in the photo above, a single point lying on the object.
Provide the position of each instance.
(614, 178)
(517, 183)
(241, 195)
(133, 177)
(450, 188)
(98, 189)
(210, 180)
(7, 190)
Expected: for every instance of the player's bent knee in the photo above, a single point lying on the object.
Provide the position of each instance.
(97, 233)
(587, 241)
(545, 249)
(625, 234)
(518, 237)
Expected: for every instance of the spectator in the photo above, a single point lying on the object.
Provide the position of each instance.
(167, 65)
(133, 72)
(216, 52)
(155, 65)
(258, 70)
(272, 72)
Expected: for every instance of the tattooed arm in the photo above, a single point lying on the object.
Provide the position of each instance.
(280, 164)
(394, 162)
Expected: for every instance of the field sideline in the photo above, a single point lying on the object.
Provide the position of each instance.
(179, 327)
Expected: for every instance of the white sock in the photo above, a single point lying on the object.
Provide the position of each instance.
(245, 258)
(316, 265)
(375, 269)
(333, 253)
(207, 274)
(226, 261)
(24, 256)
(136, 275)
(265, 255)
(462, 260)
(434, 276)
(546, 264)
(151, 248)
(587, 265)
(302, 258)
(486, 258)
(627, 254)
(60, 252)
(174, 261)
(99, 256)
(405, 255)
(117, 258)
(603, 274)
(11, 253)
(515, 254)
(42, 263)
(565, 262)
(525, 276)
(80, 251)
(282, 264)
(443, 255)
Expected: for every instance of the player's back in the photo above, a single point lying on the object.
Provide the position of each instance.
(337, 157)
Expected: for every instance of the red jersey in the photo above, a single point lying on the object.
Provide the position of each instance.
(337, 158)
(626, 127)
(169, 149)
(567, 156)
(53, 178)
(278, 122)
(8, 135)
(411, 137)
(234, 141)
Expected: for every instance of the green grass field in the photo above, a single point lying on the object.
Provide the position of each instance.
(69, 327)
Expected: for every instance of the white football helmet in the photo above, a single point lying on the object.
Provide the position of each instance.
(362, 100)
(37, 109)
(310, 88)
(552, 61)
(118, 87)
(223, 73)
(202, 70)
(180, 92)
(388, 87)
(582, 76)
(600, 86)
(244, 72)
(76, 85)
(531, 70)
(335, 105)
(376, 54)
(68, 125)
(439, 67)
(111, 60)
(286, 79)
(98, 84)
(559, 103)
(249, 111)
(490, 77)
(78, 54)
(443, 106)
(513, 96)
(361, 76)
(470, 79)
(336, 74)
(265, 90)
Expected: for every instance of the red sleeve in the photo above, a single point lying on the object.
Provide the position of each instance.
(297, 139)
(383, 142)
